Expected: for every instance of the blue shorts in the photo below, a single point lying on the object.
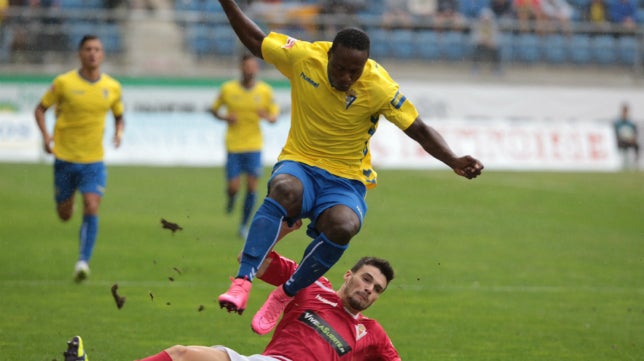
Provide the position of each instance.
(86, 177)
(323, 190)
(238, 163)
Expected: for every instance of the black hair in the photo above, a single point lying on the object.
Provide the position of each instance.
(86, 38)
(382, 264)
(246, 56)
(352, 38)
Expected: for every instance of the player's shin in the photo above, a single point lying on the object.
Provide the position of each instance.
(262, 236)
(319, 257)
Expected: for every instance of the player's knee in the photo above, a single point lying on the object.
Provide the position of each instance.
(339, 224)
(287, 190)
(177, 352)
(64, 213)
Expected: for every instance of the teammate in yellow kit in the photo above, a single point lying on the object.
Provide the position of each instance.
(247, 101)
(82, 98)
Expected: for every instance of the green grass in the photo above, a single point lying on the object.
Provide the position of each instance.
(511, 266)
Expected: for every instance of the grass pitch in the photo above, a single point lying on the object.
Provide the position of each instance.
(510, 266)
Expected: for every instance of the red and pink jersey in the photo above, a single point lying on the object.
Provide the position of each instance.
(338, 335)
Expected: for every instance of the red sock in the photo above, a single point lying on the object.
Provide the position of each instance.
(161, 356)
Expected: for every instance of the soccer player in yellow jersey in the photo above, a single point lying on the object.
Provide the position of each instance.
(338, 95)
(247, 101)
(82, 99)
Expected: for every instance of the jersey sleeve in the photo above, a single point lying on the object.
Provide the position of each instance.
(117, 107)
(283, 51)
(52, 94)
(279, 270)
(397, 108)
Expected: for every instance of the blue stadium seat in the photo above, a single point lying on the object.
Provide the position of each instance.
(76, 31)
(197, 40)
(454, 45)
(528, 48)
(402, 43)
(628, 49)
(604, 50)
(427, 44)
(224, 40)
(580, 49)
(110, 35)
(379, 43)
(506, 47)
(472, 8)
(81, 4)
(555, 49)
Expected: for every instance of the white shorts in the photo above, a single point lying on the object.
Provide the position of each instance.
(235, 356)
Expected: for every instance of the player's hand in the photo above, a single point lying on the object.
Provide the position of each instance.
(468, 167)
(231, 119)
(286, 228)
(47, 142)
(117, 140)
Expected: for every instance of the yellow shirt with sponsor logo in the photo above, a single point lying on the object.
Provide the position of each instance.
(331, 129)
(81, 108)
(246, 134)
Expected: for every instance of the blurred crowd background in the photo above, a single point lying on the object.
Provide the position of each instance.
(187, 37)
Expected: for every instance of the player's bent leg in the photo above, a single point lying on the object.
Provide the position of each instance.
(339, 223)
(65, 209)
(232, 188)
(197, 353)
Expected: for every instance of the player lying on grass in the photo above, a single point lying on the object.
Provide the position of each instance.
(320, 323)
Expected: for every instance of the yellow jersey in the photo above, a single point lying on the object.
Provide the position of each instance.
(245, 135)
(331, 129)
(81, 108)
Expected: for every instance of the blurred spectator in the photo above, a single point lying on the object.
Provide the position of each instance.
(19, 26)
(529, 14)
(624, 13)
(338, 14)
(396, 14)
(4, 4)
(448, 15)
(626, 135)
(557, 12)
(485, 35)
(596, 13)
(502, 9)
(422, 9)
(51, 37)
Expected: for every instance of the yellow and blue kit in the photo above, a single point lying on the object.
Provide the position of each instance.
(245, 135)
(331, 129)
(81, 108)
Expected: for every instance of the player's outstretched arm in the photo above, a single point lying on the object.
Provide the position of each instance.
(247, 31)
(434, 144)
(39, 114)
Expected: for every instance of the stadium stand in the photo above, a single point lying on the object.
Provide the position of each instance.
(205, 33)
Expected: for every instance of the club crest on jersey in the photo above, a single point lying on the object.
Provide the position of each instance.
(361, 331)
(106, 93)
(349, 98)
(290, 42)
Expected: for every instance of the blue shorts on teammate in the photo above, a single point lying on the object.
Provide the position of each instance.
(248, 162)
(84, 177)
